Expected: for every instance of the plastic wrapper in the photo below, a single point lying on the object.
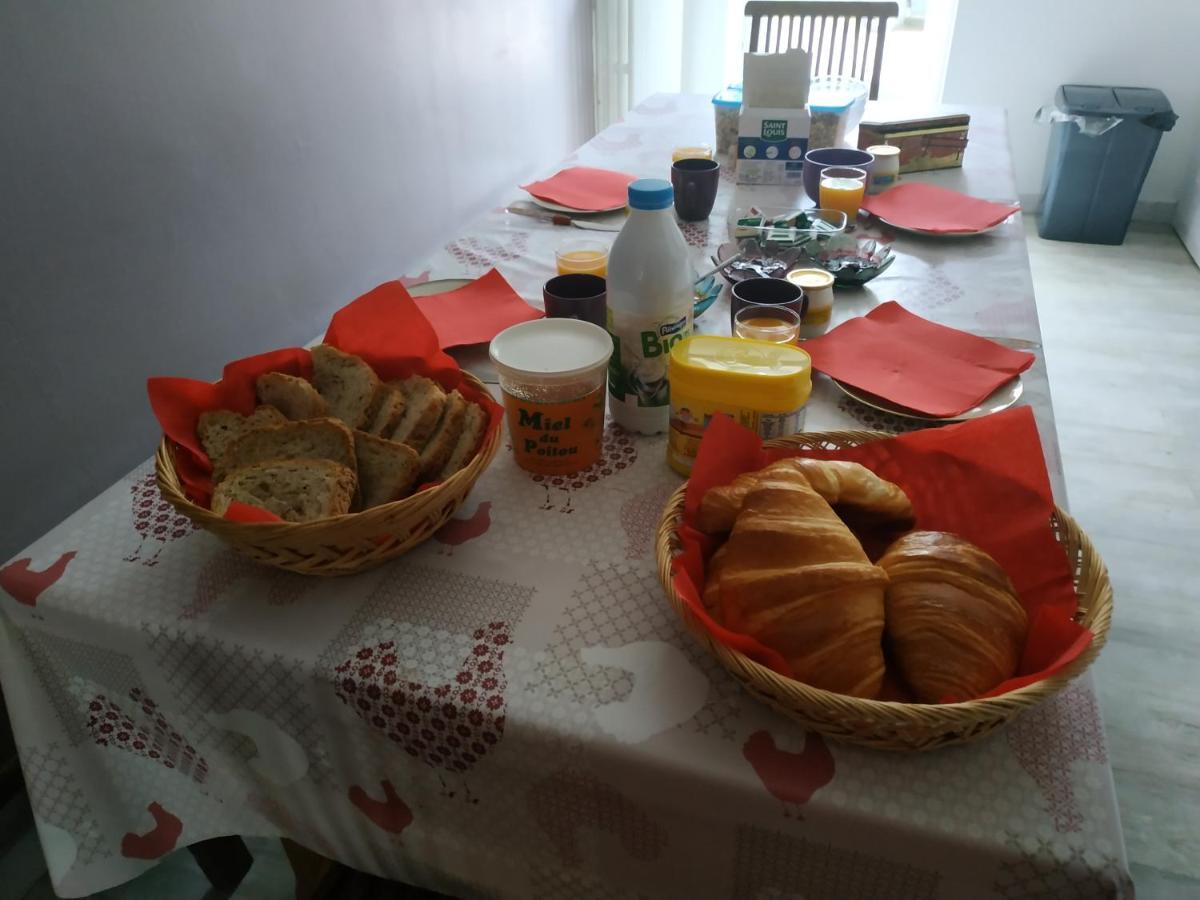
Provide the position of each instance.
(1092, 126)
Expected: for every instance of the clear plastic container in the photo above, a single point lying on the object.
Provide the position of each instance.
(836, 104)
(727, 106)
(782, 226)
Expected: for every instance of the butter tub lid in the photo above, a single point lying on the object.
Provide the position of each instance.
(711, 364)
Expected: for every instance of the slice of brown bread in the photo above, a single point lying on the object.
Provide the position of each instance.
(387, 470)
(294, 397)
(386, 411)
(445, 437)
(424, 401)
(346, 382)
(474, 424)
(219, 428)
(296, 490)
(265, 416)
(312, 439)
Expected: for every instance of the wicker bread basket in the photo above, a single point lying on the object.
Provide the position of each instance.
(341, 545)
(886, 725)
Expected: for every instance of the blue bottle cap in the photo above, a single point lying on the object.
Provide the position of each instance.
(651, 193)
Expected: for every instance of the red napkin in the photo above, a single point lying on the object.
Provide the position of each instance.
(584, 188)
(476, 312)
(984, 480)
(927, 207)
(916, 363)
(383, 326)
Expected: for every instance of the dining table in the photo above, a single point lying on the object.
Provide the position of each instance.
(513, 708)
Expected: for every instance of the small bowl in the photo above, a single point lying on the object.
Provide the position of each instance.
(852, 260)
(707, 292)
(757, 260)
(816, 161)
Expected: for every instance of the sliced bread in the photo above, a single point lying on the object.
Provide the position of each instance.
(424, 401)
(314, 439)
(346, 382)
(386, 411)
(296, 490)
(387, 470)
(265, 416)
(474, 424)
(219, 428)
(294, 397)
(445, 437)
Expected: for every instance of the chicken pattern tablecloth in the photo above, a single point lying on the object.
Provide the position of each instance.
(513, 709)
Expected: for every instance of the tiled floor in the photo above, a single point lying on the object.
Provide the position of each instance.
(1121, 328)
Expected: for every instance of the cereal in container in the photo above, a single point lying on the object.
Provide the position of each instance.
(727, 106)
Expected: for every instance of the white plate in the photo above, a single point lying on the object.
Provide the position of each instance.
(438, 286)
(546, 204)
(942, 234)
(1002, 398)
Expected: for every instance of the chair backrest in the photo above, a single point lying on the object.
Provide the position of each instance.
(843, 37)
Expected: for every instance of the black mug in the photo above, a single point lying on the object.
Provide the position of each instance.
(767, 292)
(577, 296)
(695, 182)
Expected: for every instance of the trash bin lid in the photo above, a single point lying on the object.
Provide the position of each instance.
(1124, 102)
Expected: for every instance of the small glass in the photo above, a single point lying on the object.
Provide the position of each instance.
(768, 291)
(692, 151)
(582, 258)
(842, 188)
(764, 322)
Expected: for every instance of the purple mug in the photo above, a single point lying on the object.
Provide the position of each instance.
(816, 161)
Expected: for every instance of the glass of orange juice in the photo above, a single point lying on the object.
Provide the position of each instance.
(582, 258)
(692, 151)
(764, 322)
(842, 188)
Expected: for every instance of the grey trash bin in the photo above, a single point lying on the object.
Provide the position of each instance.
(1101, 147)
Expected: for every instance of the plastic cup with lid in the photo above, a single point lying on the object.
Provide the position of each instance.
(552, 376)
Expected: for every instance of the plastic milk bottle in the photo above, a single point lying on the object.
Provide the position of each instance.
(650, 299)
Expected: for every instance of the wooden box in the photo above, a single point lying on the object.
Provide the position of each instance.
(930, 142)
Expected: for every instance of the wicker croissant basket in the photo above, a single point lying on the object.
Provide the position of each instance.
(887, 725)
(341, 545)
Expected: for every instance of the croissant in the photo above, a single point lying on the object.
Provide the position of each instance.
(954, 622)
(794, 577)
(838, 482)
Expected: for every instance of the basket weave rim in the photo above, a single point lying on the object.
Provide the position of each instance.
(165, 461)
(1097, 615)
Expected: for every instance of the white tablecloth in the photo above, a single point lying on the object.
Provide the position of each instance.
(513, 709)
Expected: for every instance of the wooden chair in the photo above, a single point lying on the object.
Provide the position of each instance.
(843, 38)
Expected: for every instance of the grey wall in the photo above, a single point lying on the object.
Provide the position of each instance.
(185, 183)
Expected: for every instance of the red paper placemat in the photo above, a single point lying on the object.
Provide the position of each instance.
(584, 188)
(984, 480)
(927, 207)
(916, 363)
(383, 326)
(476, 312)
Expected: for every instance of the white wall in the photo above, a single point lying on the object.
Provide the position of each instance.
(184, 183)
(1015, 54)
(1187, 216)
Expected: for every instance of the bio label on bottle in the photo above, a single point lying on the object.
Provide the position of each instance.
(637, 371)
